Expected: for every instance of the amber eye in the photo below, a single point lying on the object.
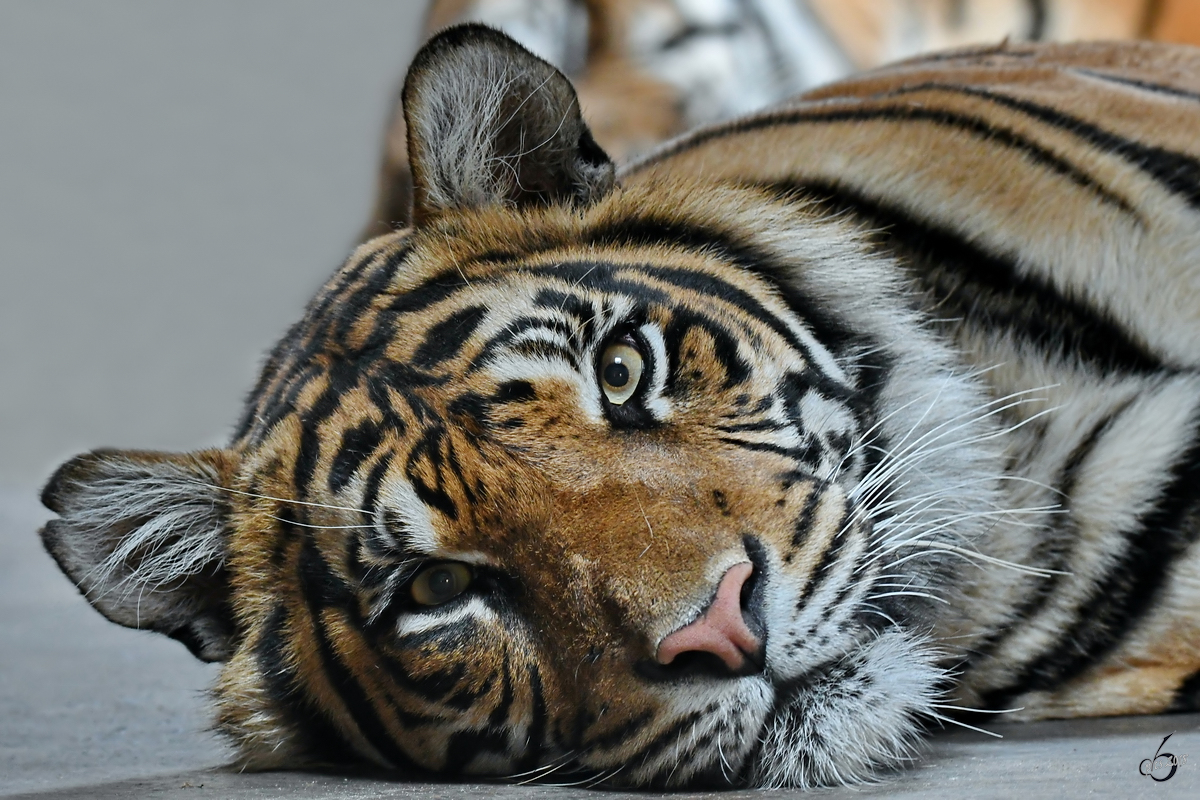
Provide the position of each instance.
(441, 583)
(620, 371)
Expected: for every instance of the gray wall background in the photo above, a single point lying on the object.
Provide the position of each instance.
(175, 180)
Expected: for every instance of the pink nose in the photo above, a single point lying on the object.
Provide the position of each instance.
(721, 630)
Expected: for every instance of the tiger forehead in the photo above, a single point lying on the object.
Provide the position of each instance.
(589, 290)
(651, 221)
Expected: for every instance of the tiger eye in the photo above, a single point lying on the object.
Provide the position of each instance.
(621, 368)
(440, 583)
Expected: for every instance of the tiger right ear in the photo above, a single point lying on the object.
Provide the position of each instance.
(490, 123)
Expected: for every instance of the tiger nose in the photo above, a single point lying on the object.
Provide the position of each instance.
(721, 630)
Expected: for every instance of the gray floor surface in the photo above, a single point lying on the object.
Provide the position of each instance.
(175, 179)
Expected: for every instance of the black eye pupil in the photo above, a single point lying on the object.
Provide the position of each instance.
(441, 582)
(616, 375)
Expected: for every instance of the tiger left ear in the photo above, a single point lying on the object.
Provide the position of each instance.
(143, 535)
(489, 123)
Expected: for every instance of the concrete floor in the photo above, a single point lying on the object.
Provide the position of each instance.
(177, 178)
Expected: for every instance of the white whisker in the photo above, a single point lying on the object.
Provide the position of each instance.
(327, 506)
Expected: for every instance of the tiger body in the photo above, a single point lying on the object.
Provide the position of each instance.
(647, 70)
(738, 467)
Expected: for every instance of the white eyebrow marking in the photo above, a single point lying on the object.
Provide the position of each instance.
(399, 496)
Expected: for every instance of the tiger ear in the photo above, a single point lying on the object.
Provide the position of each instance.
(491, 123)
(143, 535)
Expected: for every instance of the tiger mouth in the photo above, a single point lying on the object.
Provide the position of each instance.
(817, 721)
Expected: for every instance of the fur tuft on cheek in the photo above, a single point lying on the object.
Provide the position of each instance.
(861, 715)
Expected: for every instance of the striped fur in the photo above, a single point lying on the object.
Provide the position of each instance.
(919, 348)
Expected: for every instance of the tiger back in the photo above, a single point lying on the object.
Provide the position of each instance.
(646, 70)
(735, 467)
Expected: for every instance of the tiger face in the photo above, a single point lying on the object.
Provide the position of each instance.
(639, 482)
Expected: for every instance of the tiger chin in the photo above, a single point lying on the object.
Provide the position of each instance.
(672, 477)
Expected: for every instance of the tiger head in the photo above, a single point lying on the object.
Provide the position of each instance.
(638, 481)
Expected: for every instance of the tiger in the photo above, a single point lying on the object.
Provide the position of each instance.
(647, 70)
(746, 464)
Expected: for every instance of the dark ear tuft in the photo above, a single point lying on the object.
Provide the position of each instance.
(143, 536)
(491, 123)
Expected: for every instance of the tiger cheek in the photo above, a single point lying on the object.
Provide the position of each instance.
(474, 680)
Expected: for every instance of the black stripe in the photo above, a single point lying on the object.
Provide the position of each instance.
(323, 590)
(988, 287)
(341, 377)
(437, 685)
(619, 735)
(404, 380)
(374, 483)
(464, 746)
(728, 246)
(803, 526)
(649, 230)
(1120, 600)
(752, 427)
(689, 33)
(1187, 696)
(539, 717)
(547, 350)
(465, 698)
(515, 392)
(429, 448)
(312, 733)
(514, 329)
(980, 54)
(349, 309)
(288, 532)
(1177, 172)
(796, 386)
(499, 715)
(602, 277)
(380, 396)
(447, 638)
(853, 584)
(1156, 88)
(264, 415)
(668, 737)
(431, 292)
(1052, 551)
(583, 312)
(724, 349)
(830, 558)
(444, 340)
(455, 464)
(358, 444)
(982, 128)
(808, 454)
